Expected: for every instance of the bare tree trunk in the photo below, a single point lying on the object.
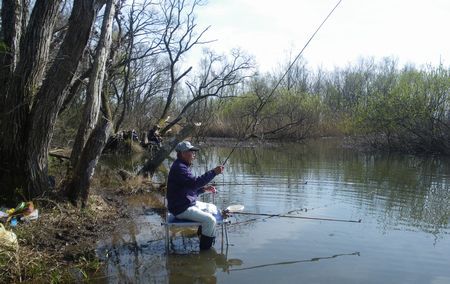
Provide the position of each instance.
(35, 49)
(54, 90)
(27, 125)
(126, 83)
(12, 28)
(21, 87)
(74, 90)
(81, 180)
(86, 160)
(152, 164)
(11, 16)
(92, 105)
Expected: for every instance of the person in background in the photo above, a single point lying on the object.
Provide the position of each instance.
(154, 135)
(183, 189)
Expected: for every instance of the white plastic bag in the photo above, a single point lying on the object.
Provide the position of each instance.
(33, 216)
(8, 240)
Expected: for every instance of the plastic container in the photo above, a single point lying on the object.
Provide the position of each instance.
(13, 222)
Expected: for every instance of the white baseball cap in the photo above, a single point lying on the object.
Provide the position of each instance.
(185, 146)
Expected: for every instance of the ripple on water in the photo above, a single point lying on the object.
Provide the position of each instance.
(404, 236)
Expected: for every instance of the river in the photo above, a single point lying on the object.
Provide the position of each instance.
(403, 203)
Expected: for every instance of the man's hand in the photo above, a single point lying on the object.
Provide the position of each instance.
(210, 188)
(218, 170)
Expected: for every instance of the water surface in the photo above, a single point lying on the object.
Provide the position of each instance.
(403, 202)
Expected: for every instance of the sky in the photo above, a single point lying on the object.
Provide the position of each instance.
(412, 31)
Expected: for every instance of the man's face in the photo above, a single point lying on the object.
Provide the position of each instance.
(188, 156)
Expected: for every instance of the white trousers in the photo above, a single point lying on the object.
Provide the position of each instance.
(203, 213)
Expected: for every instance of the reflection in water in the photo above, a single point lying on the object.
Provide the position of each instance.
(404, 202)
(400, 189)
(297, 261)
(199, 268)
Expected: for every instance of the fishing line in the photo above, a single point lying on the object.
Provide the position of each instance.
(304, 47)
(264, 216)
(298, 217)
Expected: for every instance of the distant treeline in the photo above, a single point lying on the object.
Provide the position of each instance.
(381, 105)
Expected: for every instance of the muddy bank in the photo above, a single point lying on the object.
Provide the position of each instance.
(61, 244)
(234, 142)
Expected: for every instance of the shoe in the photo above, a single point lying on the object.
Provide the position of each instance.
(206, 242)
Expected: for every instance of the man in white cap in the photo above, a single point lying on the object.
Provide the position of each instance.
(183, 189)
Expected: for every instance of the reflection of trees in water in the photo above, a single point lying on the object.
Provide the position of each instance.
(130, 259)
(402, 190)
(410, 191)
(428, 211)
(295, 160)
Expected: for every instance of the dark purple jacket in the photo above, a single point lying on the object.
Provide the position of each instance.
(183, 187)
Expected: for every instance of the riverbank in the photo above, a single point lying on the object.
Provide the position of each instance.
(239, 143)
(60, 246)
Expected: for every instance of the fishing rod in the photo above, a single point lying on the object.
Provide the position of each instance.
(261, 183)
(229, 155)
(237, 143)
(255, 184)
(287, 71)
(297, 217)
(304, 47)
